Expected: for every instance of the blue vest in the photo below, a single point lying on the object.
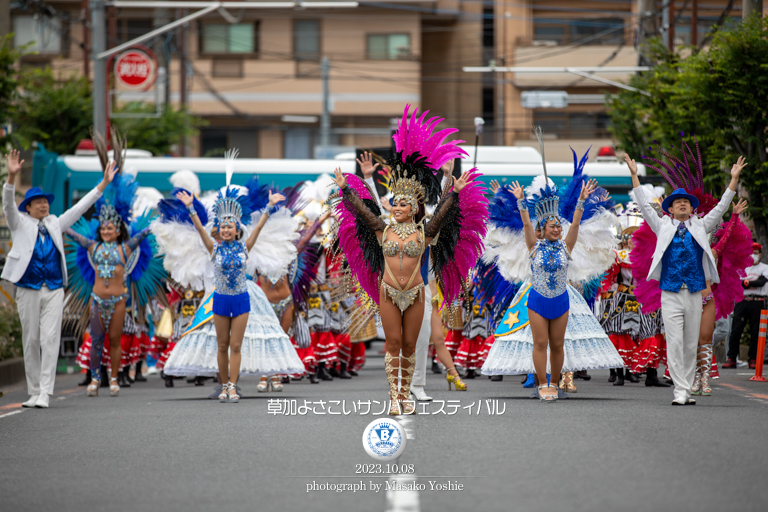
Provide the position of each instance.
(44, 267)
(682, 263)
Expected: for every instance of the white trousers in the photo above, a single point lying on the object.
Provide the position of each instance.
(40, 314)
(422, 342)
(681, 312)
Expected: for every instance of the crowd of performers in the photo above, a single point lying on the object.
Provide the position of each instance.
(546, 281)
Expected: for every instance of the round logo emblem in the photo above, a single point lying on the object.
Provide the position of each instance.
(384, 439)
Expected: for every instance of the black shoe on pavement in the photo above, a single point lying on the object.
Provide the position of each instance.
(285, 379)
(353, 373)
(582, 374)
(332, 371)
(322, 372)
(619, 377)
(168, 381)
(631, 377)
(122, 379)
(139, 377)
(612, 378)
(86, 379)
(313, 379)
(497, 378)
(199, 381)
(343, 374)
(652, 379)
(470, 374)
(436, 367)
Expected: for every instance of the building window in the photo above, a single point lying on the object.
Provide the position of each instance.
(42, 33)
(306, 39)
(573, 125)
(586, 31)
(488, 28)
(131, 29)
(389, 46)
(225, 38)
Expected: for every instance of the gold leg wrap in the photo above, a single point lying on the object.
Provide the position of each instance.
(394, 405)
(409, 406)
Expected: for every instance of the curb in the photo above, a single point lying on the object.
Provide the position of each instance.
(12, 371)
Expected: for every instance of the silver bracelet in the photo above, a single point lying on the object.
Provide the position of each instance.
(191, 210)
(580, 205)
(522, 205)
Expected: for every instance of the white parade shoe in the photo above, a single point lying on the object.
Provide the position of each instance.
(31, 402)
(42, 402)
(419, 394)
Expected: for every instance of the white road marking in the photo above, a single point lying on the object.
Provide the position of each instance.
(11, 413)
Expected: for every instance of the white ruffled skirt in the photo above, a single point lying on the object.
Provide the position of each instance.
(586, 347)
(266, 349)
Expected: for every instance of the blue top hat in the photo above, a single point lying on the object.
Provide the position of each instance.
(679, 194)
(34, 193)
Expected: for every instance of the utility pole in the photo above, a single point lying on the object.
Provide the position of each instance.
(671, 25)
(325, 120)
(99, 44)
(86, 41)
(695, 23)
(646, 28)
(751, 7)
(183, 77)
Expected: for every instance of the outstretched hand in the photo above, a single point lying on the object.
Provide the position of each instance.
(740, 207)
(517, 190)
(495, 186)
(366, 164)
(587, 189)
(12, 159)
(459, 184)
(186, 198)
(740, 164)
(275, 198)
(339, 178)
(632, 165)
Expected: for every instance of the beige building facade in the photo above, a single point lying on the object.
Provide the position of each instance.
(255, 75)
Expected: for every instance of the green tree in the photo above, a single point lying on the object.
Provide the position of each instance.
(54, 110)
(156, 134)
(9, 80)
(720, 95)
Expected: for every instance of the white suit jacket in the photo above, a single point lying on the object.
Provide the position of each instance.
(700, 228)
(24, 232)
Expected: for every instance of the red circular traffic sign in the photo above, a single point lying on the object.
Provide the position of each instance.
(135, 69)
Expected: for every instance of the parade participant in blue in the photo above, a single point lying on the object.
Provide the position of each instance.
(547, 310)
(231, 301)
(112, 269)
(37, 267)
(683, 263)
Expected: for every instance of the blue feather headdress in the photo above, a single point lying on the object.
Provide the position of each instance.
(569, 195)
(114, 205)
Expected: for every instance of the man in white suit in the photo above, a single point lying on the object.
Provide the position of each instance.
(38, 268)
(683, 263)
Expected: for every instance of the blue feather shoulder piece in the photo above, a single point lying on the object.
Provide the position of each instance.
(173, 211)
(503, 210)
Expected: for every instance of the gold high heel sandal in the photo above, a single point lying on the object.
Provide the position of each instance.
(408, 405)
(570, 387)
(394, 405)
(455, 379)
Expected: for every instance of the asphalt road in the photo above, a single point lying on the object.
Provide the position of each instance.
(606, 448)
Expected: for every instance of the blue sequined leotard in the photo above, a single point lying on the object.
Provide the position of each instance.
(549, 266)
(230, 298)
(229, 267)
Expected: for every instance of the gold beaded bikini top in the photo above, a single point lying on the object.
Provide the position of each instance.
(411, 248)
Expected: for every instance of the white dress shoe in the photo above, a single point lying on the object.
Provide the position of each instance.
(679, 401)
(419, 394)
(31, 402)
(42, 402)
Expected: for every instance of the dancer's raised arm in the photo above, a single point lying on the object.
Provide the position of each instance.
(530, 235)
(188, 200)
(273, 200)
(573, 232)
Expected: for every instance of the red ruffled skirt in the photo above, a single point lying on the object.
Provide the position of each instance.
(625, 346)
(468, 354)
(649, 353)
